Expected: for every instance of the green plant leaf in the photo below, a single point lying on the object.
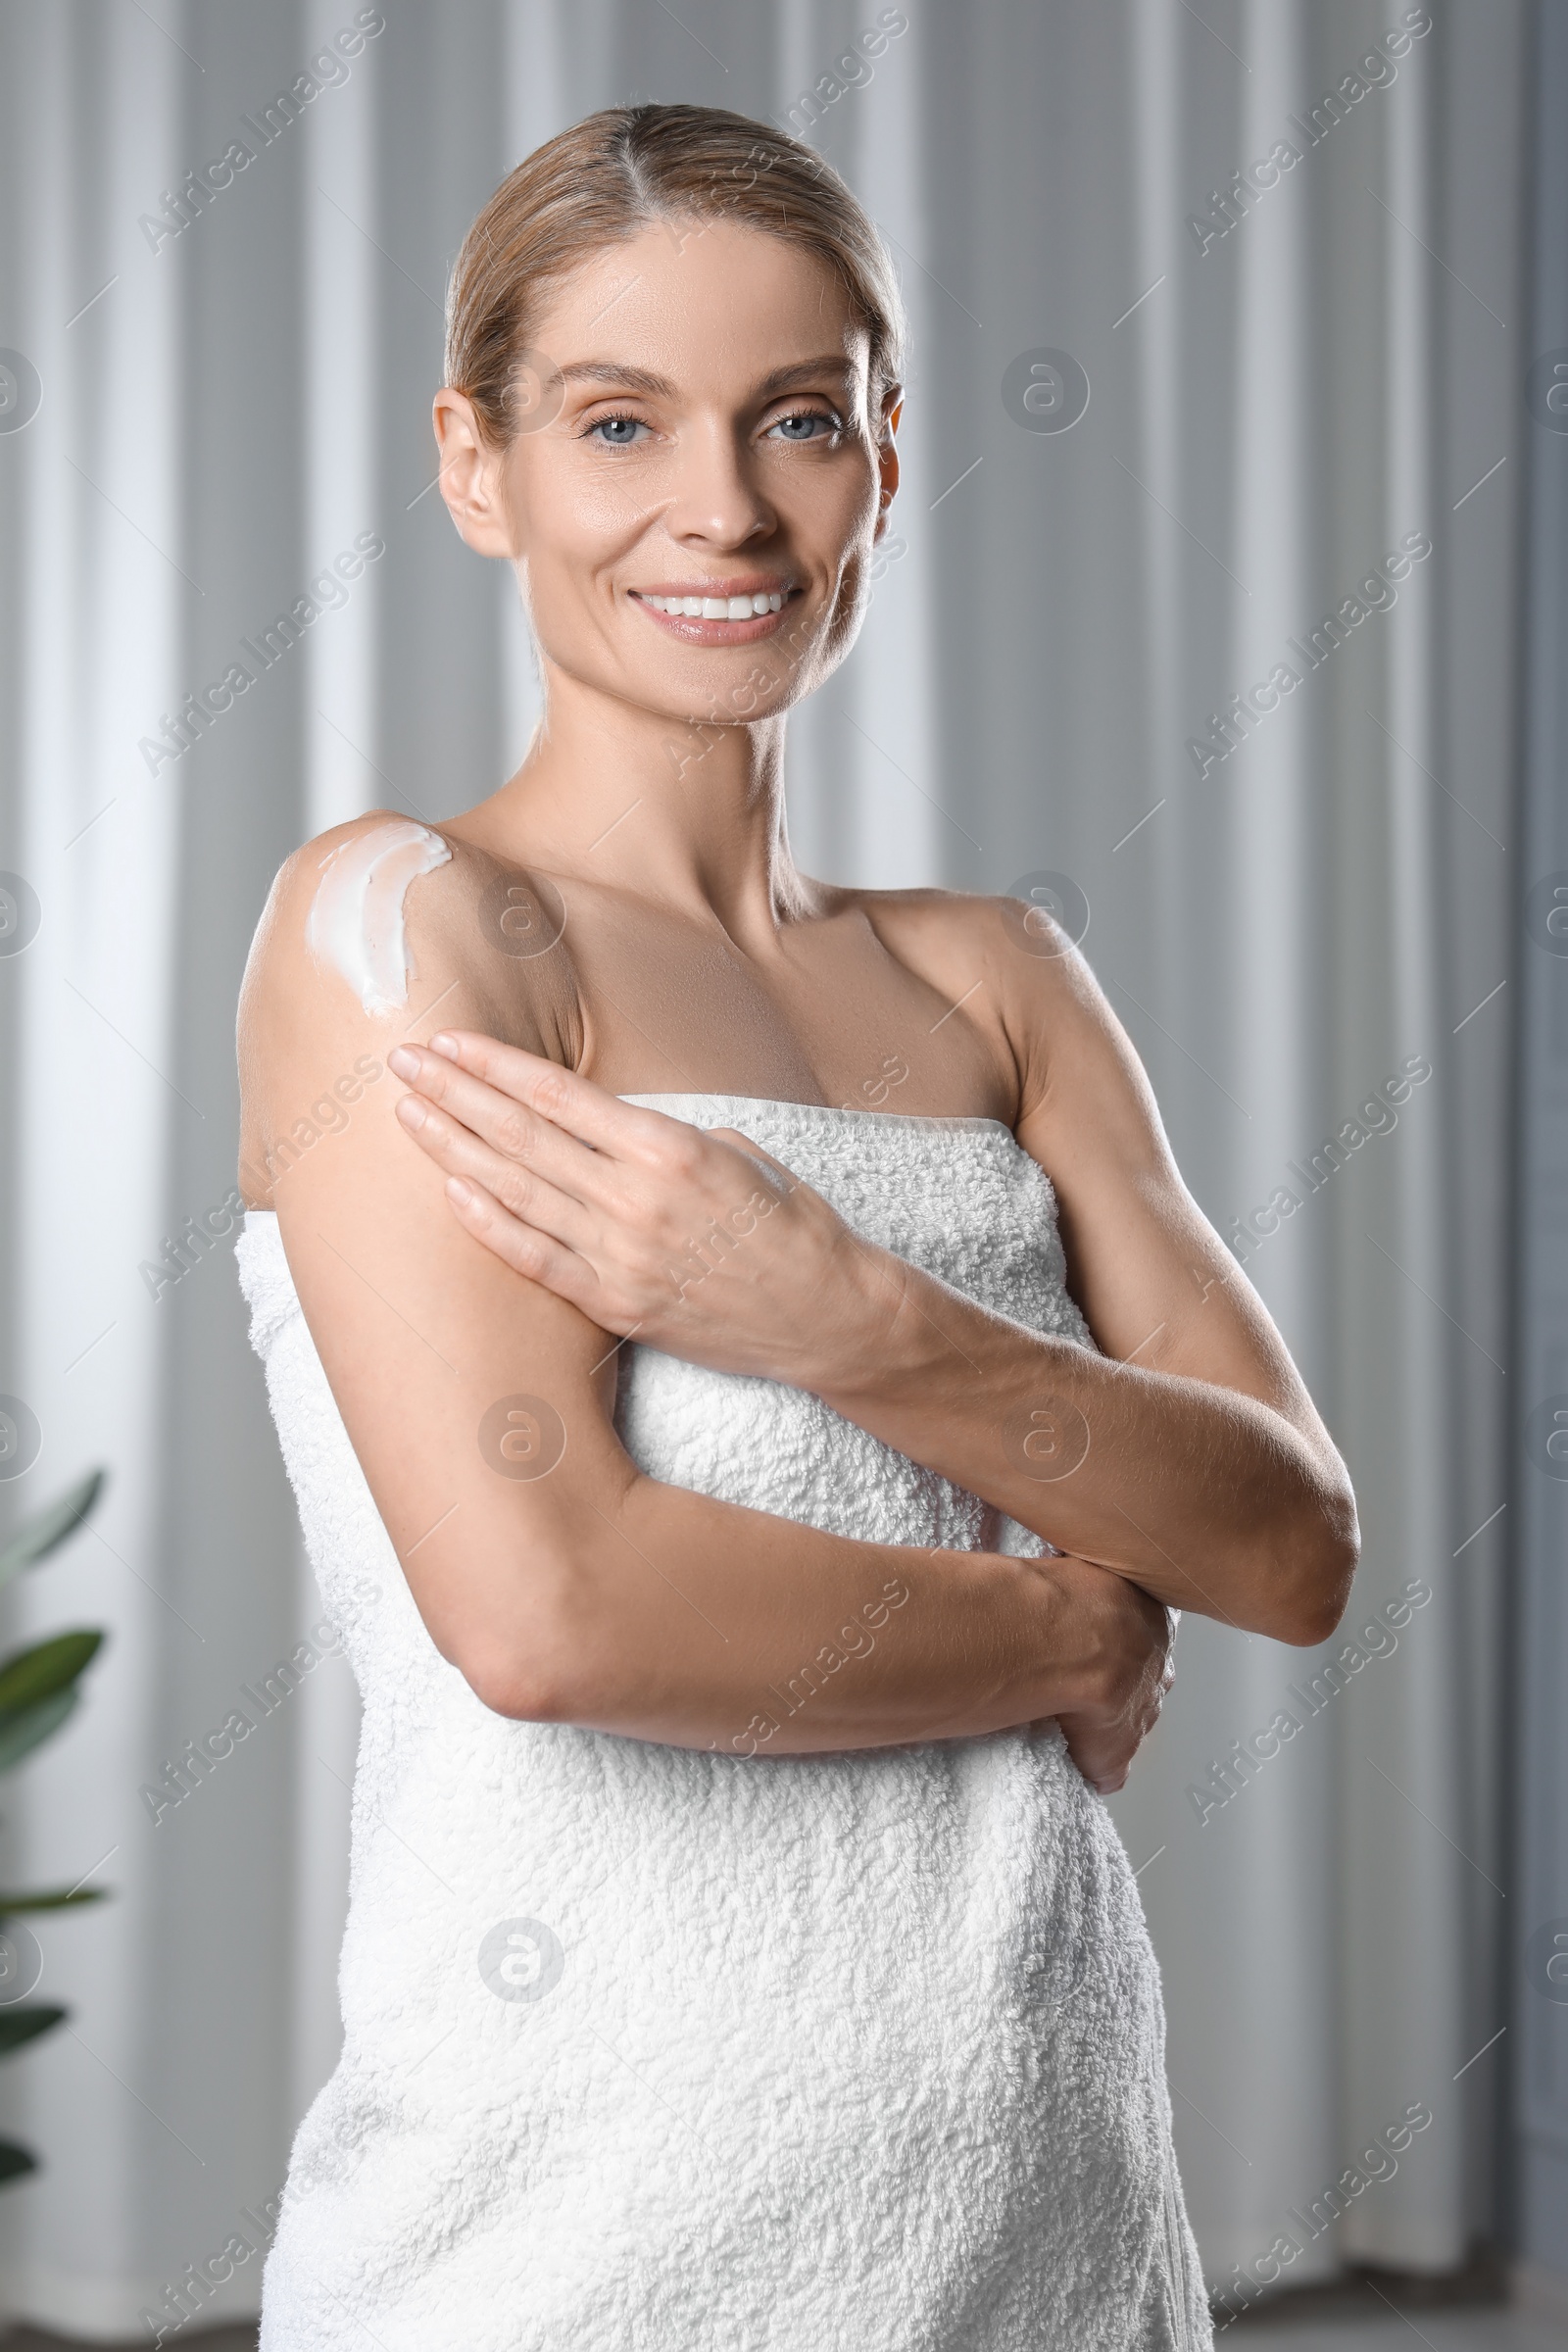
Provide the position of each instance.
(36, 1538)
(14, 2160)
(30, 1675)
(23, 1729)
(26, 2021)
(51, 1900)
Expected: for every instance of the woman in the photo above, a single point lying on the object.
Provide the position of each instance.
(737, 1952)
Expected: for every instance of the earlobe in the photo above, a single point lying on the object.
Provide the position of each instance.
(473, 515)
(467, 475)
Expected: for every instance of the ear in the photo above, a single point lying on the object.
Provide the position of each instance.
(887, 456)
(470, 476)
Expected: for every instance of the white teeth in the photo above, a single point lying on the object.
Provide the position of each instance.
(718, 608)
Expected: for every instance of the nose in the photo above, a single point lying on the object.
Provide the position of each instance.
(716, 502)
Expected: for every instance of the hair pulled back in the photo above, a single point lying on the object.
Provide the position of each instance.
(602, 182)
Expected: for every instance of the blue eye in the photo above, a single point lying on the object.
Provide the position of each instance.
(808, 417)
(618, 431)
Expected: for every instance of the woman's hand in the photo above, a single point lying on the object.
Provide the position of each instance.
(694, 1241)
(1134, 1638)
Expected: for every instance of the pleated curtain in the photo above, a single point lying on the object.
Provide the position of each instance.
(1218, 348)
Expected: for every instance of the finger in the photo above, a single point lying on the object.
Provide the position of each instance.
(521, 1247)
(522, 1192)
(1096, 1753)
(513, 1130)
(570, 1101)
(576, 1130)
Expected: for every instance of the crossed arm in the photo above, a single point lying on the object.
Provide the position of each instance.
(1187, 1457)
(596, 1595)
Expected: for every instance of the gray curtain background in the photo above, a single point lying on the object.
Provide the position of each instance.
(1286, 906)
(1541, 1447)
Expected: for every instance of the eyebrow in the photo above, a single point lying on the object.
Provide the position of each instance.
(642, 379)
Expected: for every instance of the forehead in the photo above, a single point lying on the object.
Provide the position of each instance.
(702, 303)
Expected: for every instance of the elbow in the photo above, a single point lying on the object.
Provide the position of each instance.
(535, 1666)
(525, 1688)
(1322, 1552)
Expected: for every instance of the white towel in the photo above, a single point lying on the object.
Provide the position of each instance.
(655, 2050)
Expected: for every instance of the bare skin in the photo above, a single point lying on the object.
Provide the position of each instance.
(526, 1219)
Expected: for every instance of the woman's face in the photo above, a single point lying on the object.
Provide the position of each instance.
(711, 440)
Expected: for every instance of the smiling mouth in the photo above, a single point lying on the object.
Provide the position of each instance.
(756, 606)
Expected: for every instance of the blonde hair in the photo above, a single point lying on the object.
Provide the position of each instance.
(607, 178)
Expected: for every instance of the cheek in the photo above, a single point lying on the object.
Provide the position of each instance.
(851, 600)
(574, 537)
(857, 522)
(836, 513)
(572, 611)
(589, 507)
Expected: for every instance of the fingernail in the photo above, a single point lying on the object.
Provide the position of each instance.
(443, 1043)
(412, 1111)
(459, 1192)
(403, 1064)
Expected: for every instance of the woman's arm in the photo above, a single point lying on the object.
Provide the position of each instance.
(1187, 1456)
(560, 1581)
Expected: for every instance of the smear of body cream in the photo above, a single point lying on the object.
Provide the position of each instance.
(356, 919)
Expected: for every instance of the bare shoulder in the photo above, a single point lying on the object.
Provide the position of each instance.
(381, 929)
(1014, 967)
(373, 935)
(951, 929)
(1014, 962)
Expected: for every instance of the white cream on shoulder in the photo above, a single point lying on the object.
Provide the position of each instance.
(356, 919)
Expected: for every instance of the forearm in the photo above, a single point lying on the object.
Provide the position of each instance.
(1206, 1497)
(702, 1624)
(1188, 1459)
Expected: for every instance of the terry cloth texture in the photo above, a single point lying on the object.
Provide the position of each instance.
(653, 2051)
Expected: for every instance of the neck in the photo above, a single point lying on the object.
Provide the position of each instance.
(686, 812)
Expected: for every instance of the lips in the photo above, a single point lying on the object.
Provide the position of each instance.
(730, 611)
(715, 608)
